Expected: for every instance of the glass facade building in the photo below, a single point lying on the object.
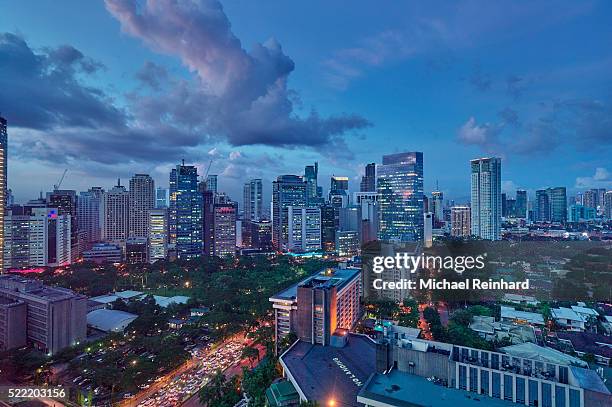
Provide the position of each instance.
(185, 214)
(486, 199)
(400, 197)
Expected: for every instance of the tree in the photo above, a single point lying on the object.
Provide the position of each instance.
(250, 353)
(409, 315)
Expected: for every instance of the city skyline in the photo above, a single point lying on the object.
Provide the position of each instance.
(552, 119)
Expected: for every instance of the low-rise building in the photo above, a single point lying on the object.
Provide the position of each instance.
(568, 319)
(511, 315)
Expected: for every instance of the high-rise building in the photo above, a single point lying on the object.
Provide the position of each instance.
(504, 205)
(56, 317)
(400, 196)
(261, 235)
(368, 201)
(428, 223)
(460, 221)
(437, 208)
(185, 214)
(589, 198)
(208, 220)
(486, 198)
(136, 250)
(339, 183)
(89, 214)
(287, 190)
(65, 200)
(368, 181)
(158, 234)
(350, 218)
(314, 308)
(328, 227)
(142, 200)
(311, 173)
(608, 205)
(304, 229)
(225, 229)
(211, 183)
(36, 237)
(551, 205)
(253, 200)
(347, 243)
(3, 181)
(161, 198)
(115, 214)
(521, 204)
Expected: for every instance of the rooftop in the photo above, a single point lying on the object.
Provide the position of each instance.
(406, 390)
(531, 317)
(323, 373)
(566, 313)
(108, 320)
(337, 277)
(548, 355)
(589, 342)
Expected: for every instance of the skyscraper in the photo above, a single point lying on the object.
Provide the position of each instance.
(521, 203)
(400, 197)
(460, 221)
(185, 214)
(311, 173)
(253, 200)
(608, 205)
(437, 210)
(339, 183)
(224, 228)
(486, 198)
(89, 214)
(3, 183)
(115, 214)
(211, 183)
(142, 200)
(287, 190)
(161, 198)
(304, 229)
(551, 205)
(158, 234)
(65, 200)
(368, 181)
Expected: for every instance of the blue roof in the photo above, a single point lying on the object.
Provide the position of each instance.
(589, 379)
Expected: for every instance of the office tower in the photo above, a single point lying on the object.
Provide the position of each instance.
(142, 200)
(319, 305)
(13, 317)
(510, 208)
(16, 239)
(339, 183)
(347, 243)
(253, 200)
(521, 204)
(311, 174)
(55, 317)
(551, 205)
(66, 203)
(486, 198)
(287, 190)
(400, 196)
(368, 181)
(261, 235)
(3, 181)
(460, 221)
(158, 234)
(581, 213)
(89, 214)
(211, 183)
(437, 208)
(115, 214)
(328, 227)
(304, 229)
(368, 201)
(225, 228)
(350, 218)
(208, 220)
(589, 198)
(161, 197)
(608, 205)
(428, 223)
(339, 198)
(136, 250)
(185, 214)
(504, 205)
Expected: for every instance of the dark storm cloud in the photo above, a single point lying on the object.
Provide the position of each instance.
(41, 90)
(234, 96)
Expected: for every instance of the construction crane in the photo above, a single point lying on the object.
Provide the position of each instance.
(59, 183)
(208, 169)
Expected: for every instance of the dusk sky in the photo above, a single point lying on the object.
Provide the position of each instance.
(109, 89)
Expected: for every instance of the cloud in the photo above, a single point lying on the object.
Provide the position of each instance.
(233, 96)
(237, 94)
(602, 178)
(575, 123)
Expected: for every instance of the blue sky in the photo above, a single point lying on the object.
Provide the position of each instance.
(264, 88)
